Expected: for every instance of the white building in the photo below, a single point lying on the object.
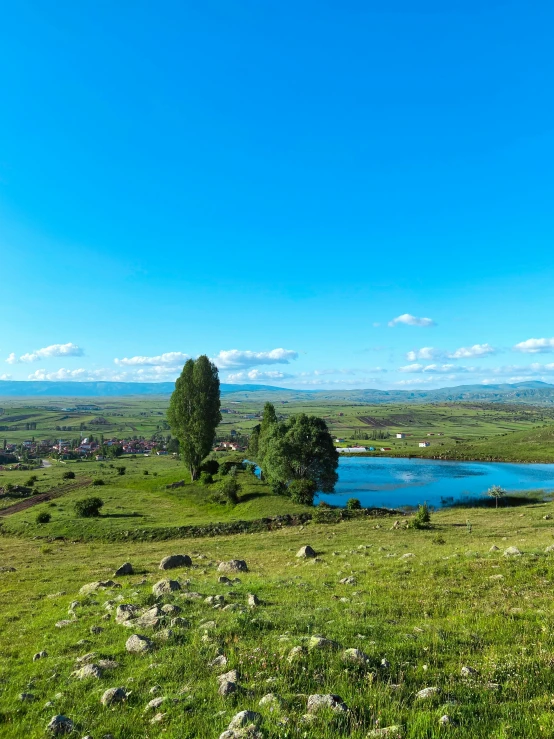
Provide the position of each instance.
(424, 443)
(400, 436)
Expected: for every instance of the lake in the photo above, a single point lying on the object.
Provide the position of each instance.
(393, 483)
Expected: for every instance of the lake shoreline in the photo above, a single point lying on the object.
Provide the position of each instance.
(445, 458)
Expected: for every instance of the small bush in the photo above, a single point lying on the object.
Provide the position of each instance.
(211, 466)
(230, 490)
(278, 488)
(302, 491)
(121, 470)
(88, 507)
(145, 472)
(353, 504)
(43, 517)
(68, 475)
(324, 504)
(250, 467)
(422, 518)
(98, 481)
(205, 478)
(439, 539)
(31, 481)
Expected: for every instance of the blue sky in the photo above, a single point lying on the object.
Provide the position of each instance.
(273, 184)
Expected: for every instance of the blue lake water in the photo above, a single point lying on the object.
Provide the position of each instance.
(391, 483)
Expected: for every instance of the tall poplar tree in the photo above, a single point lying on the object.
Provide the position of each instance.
(193, 412)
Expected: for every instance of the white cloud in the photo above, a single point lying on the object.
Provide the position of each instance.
(173, 359)
(65, 374)
(410, 320)
(5, 377)
(477, 350)
(54, 350)
(435, 368)
(419, 381)
(235, 359)
(426, 352)
(535, 346)
(256, 376)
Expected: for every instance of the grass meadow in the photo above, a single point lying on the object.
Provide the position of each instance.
(422, 605)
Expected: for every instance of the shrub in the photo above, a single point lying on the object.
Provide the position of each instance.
(121, 470)
(145, 472)
(324, 504)
(98, 481)
(43, 517)
(68, 475)
(31, 481)
(230, 490)
(88, 507)
(353, 504)
(205, 478)
(302, 491)
(250, 467)
(211, 466)
(278, 488)
(422, 518)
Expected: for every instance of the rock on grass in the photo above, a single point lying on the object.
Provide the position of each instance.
(60, 725)
(137, 644)
(305, 552)
(175, 560)
(163, 587)
(125, 569)
(234, 565)
(113, 695)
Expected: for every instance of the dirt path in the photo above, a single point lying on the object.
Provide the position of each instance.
(57, 492)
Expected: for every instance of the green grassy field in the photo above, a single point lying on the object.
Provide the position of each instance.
(453, 604)
(135, 500)
(455, 430)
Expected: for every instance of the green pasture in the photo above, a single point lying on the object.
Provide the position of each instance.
(422, 605)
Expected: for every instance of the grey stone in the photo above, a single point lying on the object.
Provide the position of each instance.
(386, 732)
(125, 569)
(348, 581)
(219, 661)
(113, 695)
(226, 687)
(320, 642)
(96, 629)
(512, 552)
(297, 653)
(244, 718)
(60, 725)
(92, 587)
(305, 552)
(318, 702)
(125, 612)
(88, 671)
(272, 700)
(426, 693)
(468, 671)
(354, 655)
(253, 600)
(26, 697)
(170, 610)
(163, 587)
(137, 644)
(175, 560)
(234, 565)
(494, 548)
(549, 549)
(179, 623)
(40, 655)
(155, 703)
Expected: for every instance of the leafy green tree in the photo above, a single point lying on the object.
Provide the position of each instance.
(302, 491)
(301, 449)
(353, 504)
(497, 493)
(253, 442)
(88, 507)
(115, 451)
(194, 411)
(268, 428)
(68, 475)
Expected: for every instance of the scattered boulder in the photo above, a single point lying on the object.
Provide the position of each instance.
(64, 622)
(320, 642)
(175, 560)
(155, 703)
(512, 552)
(179, 622)
(96, 629)
(113, 695)
(297, 653)
(446, 720)
(272, 700)
(386, 732)
(348, 581)
(163, 587)
(231, 677)
(354, 655)
(26, 697)
(137, 644)
(244, 718)
(253, 600)
(408, 555)
(318, 702)
(226, 687)
(468, 671)
(125, 612)
(88, 671)
(93, 587)
(60, 725)
(219, 661)
(234, 565)
(150, 618)
(305, 552)
(125, 569)
(494, 548)
(426, 693)
(549, 549)
(170, 610)
(40, 655)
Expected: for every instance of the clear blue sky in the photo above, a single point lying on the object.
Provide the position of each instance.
(180, 178)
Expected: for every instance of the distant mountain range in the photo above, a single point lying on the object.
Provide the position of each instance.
(28, 388)
(537, 393)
